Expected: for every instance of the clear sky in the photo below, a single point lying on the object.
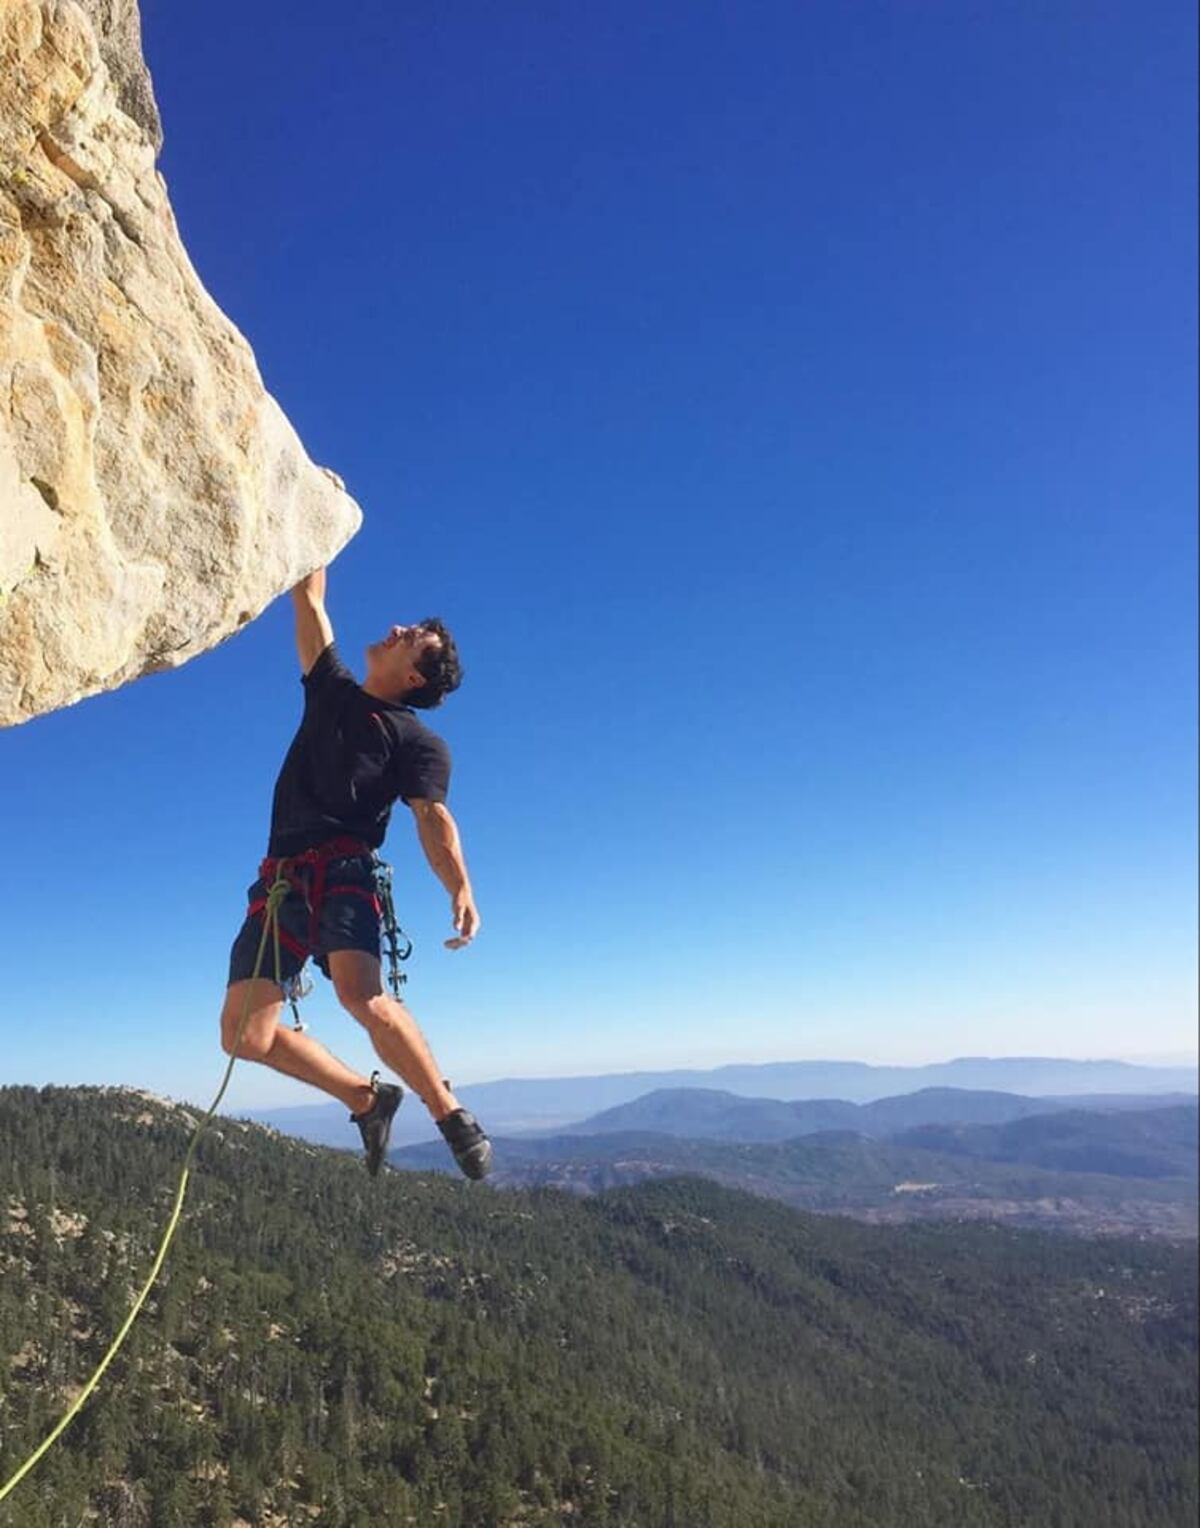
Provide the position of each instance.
(791, 408)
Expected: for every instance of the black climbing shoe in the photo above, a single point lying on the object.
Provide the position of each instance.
(375, 1124)
(465, 1138)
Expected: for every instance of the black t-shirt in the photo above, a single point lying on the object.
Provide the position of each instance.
(352, 757)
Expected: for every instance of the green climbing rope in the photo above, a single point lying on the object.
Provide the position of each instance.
(275, 897)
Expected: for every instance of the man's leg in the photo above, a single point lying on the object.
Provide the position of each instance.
(398, 1041)
(286, 1050)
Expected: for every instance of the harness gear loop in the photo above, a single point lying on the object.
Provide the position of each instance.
(274, 901)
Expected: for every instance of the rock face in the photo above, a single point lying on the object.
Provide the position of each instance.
(153, 498)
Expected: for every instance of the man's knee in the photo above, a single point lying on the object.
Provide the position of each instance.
(253, 1044)
(357, 983)
(248, 1028)
(373, 1010)
(370, 1009)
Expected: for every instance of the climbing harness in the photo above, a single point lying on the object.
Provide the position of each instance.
(399, 948)
(307, 874)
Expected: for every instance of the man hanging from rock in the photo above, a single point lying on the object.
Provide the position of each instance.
(359, 749)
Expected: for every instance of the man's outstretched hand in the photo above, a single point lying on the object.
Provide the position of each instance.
(466, 920)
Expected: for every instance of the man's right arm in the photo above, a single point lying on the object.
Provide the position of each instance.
(438, 833)
(314, 632)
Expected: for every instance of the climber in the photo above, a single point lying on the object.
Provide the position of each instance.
(359, 748)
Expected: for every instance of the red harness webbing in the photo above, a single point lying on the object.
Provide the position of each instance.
(315, 892)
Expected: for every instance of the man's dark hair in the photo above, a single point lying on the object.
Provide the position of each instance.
(439, 666)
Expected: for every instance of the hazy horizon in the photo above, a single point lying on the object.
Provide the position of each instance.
(281, 1093)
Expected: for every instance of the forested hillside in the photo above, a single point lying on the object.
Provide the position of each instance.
(421, 1351)
(1154, 1144)
(1090, 1173)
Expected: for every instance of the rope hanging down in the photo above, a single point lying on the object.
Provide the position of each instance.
(275, 898)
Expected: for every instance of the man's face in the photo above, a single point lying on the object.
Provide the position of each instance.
(392, 661)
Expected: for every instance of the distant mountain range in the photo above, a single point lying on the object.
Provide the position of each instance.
(1158, 1143)
(1121, 1171)
(706, 1114)
(516, 1106)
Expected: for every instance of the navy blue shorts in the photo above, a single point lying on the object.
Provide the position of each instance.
(347, 919)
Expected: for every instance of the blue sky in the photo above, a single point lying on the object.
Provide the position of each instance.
(792, 410)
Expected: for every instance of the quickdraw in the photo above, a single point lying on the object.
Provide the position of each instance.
(397, 944)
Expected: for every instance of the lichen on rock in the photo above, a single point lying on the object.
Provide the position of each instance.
(153, 497)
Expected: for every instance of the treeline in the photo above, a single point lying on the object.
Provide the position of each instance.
(416, 1351)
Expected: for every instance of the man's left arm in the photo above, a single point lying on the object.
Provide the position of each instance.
(440, 840)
